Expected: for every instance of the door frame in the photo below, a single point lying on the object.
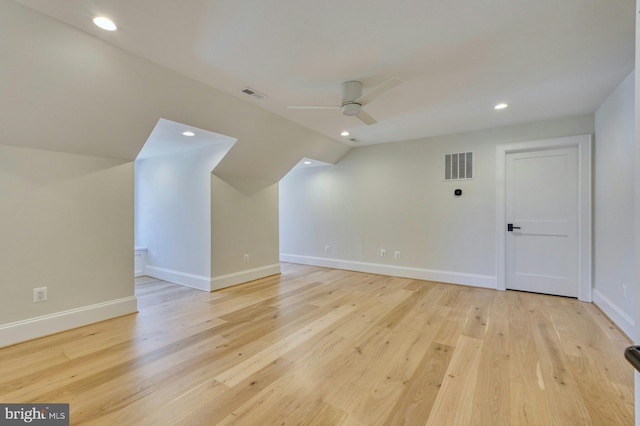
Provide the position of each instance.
(583, 144)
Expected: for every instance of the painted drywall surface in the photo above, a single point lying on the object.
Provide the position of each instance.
(66, 91)
(636, 336)
(244, 221)
(614, 200)
(65, 224)
(62, 78)
(173, 209)
(394, 197)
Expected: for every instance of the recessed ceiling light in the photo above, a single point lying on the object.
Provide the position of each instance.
(105, 23)
(501, 106)
(345, 133)
(307, 162)
(188, 133)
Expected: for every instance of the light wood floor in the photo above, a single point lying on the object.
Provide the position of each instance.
(324, 347)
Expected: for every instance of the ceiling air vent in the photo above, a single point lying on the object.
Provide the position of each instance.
(249, 91)
(458, 166)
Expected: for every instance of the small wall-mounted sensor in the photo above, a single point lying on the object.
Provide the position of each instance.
(457, 192)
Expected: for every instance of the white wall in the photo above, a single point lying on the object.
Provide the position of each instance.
(614, 200)
(244, 221)
(67, 91)
(173, 214)
(393, 196)
(65, 224)
(636, 335)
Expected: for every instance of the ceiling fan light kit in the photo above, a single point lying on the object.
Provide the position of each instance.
(351, 108)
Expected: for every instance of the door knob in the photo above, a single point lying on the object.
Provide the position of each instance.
(510, 227)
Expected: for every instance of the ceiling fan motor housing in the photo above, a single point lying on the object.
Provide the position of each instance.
(351, 91)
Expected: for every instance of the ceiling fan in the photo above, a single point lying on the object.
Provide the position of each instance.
(353, 101)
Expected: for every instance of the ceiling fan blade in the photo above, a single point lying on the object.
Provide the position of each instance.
(312, 107)
(366, 118)
(377, 91)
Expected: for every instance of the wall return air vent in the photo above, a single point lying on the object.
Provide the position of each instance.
(458, 166)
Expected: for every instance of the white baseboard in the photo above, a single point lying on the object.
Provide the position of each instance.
(613, 311)
(213, 283)
(229, 280)
(473, 280)
(45, 325)
(189, 280)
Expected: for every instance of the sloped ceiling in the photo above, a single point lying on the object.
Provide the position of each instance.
(457, 59)
(167, 138)
(65, 90)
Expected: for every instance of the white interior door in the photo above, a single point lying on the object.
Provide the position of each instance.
(542, 206)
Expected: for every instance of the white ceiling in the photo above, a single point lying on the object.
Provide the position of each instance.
(457, 59)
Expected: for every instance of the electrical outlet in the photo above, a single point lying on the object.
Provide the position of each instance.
(396, 254)
(39, 294)
(624, 289)
(246, 258)
(327, 248)
(383, 252)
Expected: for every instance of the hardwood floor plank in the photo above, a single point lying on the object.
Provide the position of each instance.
(586, 343)
(402, 309)
(524, 364)
(454, 322)
(567, 407)
(528, 405)
(475, 323)
(393, 374)
(357, 367)
(413, 406)
(617, 409)
(612, 332)
(491, 396)
(249, 366)
(274, 405)
(324, 415)
(163, 406)
(324, 346)
(214, 410)
(454, 402)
